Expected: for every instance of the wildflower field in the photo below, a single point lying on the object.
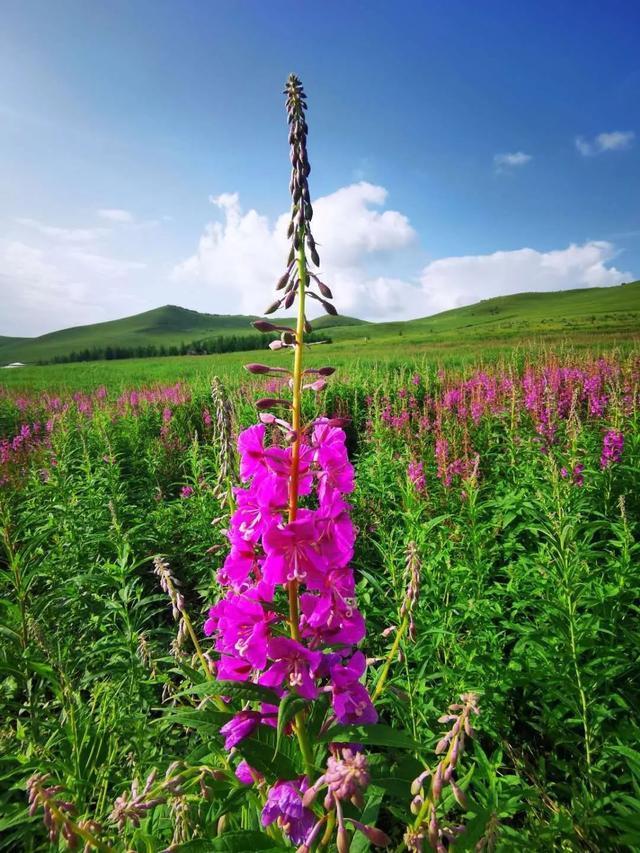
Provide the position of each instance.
(496, 558)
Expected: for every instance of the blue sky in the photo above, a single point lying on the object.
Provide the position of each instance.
(459, 150)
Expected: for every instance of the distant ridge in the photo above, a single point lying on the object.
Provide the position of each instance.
(616, 309)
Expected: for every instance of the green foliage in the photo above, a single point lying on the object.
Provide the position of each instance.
(528, 597)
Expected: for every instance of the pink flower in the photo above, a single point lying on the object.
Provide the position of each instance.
(242, 628)
(284, 807)
(239, 727)
(294, 666)
(292, 551)
(351, 701)
(612, 447)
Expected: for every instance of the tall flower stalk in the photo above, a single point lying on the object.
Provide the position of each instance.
(277, 543)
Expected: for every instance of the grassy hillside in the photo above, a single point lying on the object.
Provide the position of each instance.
(167, 325)
(603, 312)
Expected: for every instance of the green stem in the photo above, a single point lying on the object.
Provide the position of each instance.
(296, 420)
(390, 658)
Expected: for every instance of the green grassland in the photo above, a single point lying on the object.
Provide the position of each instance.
(594, 317)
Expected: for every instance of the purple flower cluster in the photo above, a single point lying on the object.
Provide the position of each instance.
(267, 553)
(576, 474)
(612, 447)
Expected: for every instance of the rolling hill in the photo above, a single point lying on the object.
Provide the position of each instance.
(602, 310)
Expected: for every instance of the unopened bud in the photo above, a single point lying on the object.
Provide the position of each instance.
(375, 835)
(268, 402)
(257, 368)
(342, 841)
(273, 307)
(265, 326)
(443, 743)
(309, 796)
(459, 794)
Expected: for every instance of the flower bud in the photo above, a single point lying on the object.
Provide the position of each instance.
(375, 835)
(309, 796)
(273, 307)
(459, 794)
(342, 840)
(265, 326)
(443, 743)
(268, 402)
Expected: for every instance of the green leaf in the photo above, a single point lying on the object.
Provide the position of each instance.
(244, 690)
(290, 704)
(369, 816)
(240, 842)
(375, 735)
(260, 752)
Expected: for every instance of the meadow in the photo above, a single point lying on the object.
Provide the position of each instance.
(496, 502)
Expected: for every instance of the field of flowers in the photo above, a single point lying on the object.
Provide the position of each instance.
(152, 699)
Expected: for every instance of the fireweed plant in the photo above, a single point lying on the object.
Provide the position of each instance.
(498, 509)
(288, 620)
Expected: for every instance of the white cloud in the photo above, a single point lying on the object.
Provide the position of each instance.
(61, 286)
(239, 259)
(115, 214)
(616, 140)
(103, 265)
(451, 282)
(67, 235)
(504, 162)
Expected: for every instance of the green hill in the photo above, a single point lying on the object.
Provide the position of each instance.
(589, 311)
